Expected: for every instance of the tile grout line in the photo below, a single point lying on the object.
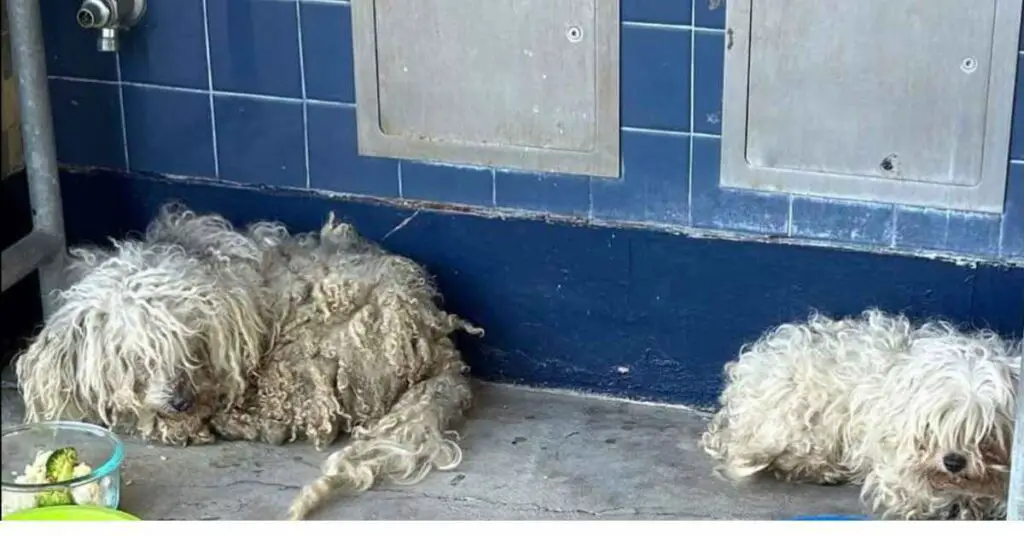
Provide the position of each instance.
(895, 221)
(1002, 235)
(272, 98)
(494, 188)
(789, 217)
(209, 90)
(693, 68)
(660, 132)
(302, 79)
(401, 194)
(124, 116)
(670, 26)
(294, 100)
(945, 232)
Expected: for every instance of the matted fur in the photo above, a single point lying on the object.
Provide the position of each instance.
(264, 336)
(879, 401)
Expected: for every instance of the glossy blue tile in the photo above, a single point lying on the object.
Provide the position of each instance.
(732, 209)
(254, 47)
(260, 141)
(656, 78)
(447, 184)
(335, 164)
(974, 233)
(949, 231)
(543, 192)
(842, 221)
(87, 123)
(708, 64)
(70, 50)
(1013, 217)
(168, 47)
(657, 11)
(655, 184)
(921, 228)
(327, 51)
(709, 13)
(169, 131)
(1017, 132)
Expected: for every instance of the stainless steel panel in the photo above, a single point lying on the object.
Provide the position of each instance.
(879, 100)
(529, 84)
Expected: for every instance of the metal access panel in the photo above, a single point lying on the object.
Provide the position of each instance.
(895, 101)
(521, 84)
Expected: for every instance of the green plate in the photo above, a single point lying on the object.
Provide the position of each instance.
(70, 513)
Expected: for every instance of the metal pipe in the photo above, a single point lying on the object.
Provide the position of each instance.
(1015, 501)
(29, 59)
(25, 256)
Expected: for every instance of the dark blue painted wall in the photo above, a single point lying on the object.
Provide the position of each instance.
(626, 312)
(261, 92)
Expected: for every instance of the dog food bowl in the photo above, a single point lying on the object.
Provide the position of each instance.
(70, 513)
(98, 448)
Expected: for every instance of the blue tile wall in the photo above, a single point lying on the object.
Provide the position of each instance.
(169, 132)
(168, 48)
(262, 92)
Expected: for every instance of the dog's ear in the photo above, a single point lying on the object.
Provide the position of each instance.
(47, 372)
(234, 331)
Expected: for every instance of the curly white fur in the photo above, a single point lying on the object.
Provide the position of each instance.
(198, 330)
(128, 330)
(879, 401)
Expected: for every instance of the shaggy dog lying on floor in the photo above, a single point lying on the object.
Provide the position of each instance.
(921, 415)
(198, 330)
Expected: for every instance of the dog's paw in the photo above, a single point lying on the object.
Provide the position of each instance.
(202, 437)
(323, 437)
(275, 434)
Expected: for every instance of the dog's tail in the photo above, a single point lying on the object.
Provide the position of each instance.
(403, 446)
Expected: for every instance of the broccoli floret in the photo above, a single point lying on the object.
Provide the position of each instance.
(60, 466)
(54, 497)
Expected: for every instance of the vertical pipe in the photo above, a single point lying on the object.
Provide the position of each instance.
(1015, 502)
(29, 61)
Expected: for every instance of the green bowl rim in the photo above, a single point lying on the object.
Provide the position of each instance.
(112, 513)
(107, 467)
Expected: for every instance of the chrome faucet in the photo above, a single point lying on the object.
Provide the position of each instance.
(110, 16)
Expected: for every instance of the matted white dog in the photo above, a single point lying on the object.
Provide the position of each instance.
(920, 415)
(199, 330)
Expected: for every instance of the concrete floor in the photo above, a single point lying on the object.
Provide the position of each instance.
(528, 455)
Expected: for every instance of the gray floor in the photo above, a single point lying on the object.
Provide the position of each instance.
(528, 455)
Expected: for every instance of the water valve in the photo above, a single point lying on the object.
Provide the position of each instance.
(109, 17)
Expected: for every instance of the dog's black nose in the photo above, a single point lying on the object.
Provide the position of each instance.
(954, 463)
(181, 404)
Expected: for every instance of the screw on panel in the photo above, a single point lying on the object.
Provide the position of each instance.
(574, 34)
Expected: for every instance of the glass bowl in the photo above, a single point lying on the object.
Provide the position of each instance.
(98, 484)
